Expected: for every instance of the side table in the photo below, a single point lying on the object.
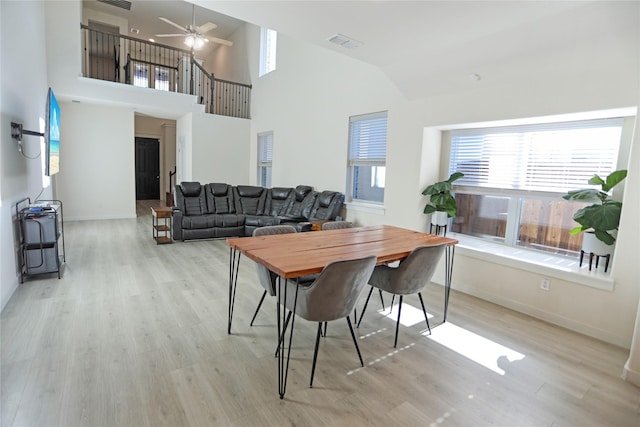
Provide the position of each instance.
(161, 222)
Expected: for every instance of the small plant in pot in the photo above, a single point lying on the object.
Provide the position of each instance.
(441, 204)
(599, 220)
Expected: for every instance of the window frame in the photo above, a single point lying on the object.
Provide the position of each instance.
(265, 159)
(516, 196)
(373, 162)
(268, 51)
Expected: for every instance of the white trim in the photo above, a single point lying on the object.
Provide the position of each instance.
(549, 265)
(377, 209)
(630, 375)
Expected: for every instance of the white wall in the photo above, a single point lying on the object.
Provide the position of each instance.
(219, 149)
(230, 62)
(23, 96)
(307, 102)
(97, 167)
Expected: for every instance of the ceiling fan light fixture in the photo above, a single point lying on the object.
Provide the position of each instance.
(194, 41)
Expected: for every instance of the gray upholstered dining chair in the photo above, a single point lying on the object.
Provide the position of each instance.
(336, 225)
(267, 278)
(331, 296)
(410, 277)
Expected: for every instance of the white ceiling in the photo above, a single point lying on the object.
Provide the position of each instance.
(144, 16)
(433, 47)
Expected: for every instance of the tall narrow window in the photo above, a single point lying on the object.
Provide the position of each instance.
(367, 157)
(268, 43)
(514, 179)
(265, 157)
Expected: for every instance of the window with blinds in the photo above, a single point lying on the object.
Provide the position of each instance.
(514, 178)
(265, 158)
(367, 156)
(268, 43)
(554, 157)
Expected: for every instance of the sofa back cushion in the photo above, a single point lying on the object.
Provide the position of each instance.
(249, 199)
(190, 198)
(278, 200)
(219, 198)
(304, 198)
(327, 205)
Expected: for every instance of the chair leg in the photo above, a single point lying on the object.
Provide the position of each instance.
(395, 342)
(286, 323)
(315, 354)
(264, 294)
(355, 341)
(425, 312)
(324, 334)
(365, 307)
(381, 299)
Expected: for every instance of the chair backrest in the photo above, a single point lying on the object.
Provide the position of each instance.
(265, 276)
(336, 225)
(416, 270)
(334, 294)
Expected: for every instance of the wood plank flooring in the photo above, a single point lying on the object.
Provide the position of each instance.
(134, 334)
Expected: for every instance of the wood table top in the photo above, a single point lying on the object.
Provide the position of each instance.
(299, 254)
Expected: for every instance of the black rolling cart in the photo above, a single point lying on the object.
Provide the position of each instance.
(41, 237)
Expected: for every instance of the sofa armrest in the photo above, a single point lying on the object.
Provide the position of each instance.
(177, 224)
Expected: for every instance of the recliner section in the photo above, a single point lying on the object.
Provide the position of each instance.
(219, 210)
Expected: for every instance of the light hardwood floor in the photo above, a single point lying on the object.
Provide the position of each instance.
(134, 334)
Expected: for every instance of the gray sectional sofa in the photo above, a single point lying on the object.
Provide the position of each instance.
(217, 210)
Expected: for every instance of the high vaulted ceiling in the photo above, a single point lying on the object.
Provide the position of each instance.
(432, 47)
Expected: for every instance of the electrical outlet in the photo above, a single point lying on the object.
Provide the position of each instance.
(544, 284)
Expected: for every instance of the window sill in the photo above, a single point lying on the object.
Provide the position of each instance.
(549, 265)
(371, 208)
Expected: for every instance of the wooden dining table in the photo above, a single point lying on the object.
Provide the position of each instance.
(294, 255)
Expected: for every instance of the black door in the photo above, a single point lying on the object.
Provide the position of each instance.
(147, 169)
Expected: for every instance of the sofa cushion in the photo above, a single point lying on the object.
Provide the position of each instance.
(327, 205)
(249, 200)
(190, 189)
(190, 198)
(278, 200)
(219, 198)
(300, 208)
(260, 220)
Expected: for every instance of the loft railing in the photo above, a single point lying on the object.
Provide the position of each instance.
(127, 60)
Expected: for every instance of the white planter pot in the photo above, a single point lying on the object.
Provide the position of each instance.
(592, 245)
(439, 218)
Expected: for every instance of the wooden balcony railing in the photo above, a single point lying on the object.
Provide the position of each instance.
(127, 60)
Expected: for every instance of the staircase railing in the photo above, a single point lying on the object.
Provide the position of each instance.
(160, 67)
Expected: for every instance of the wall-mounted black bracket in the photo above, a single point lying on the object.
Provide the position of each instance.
(17, 131)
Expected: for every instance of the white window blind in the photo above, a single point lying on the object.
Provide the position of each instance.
(368, 139)
(552, 157)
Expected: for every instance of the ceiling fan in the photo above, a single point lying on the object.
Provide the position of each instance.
(194, 35)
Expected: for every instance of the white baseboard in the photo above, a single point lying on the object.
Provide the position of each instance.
(631, 376)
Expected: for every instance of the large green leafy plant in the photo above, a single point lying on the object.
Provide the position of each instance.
(603, 216)
(440, 197)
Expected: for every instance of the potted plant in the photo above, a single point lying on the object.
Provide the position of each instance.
(441, 204)
(599, 220)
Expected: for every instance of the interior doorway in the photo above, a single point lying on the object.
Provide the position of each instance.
(147, 168)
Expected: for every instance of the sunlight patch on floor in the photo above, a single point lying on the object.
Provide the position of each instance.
(474, 347)
(409, 315)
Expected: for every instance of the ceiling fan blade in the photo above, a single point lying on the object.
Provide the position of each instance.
(206, 27)
(172, 23)
(221, 41)
(169, 35)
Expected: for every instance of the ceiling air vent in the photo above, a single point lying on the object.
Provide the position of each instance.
(344, 41)
(122, 4)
